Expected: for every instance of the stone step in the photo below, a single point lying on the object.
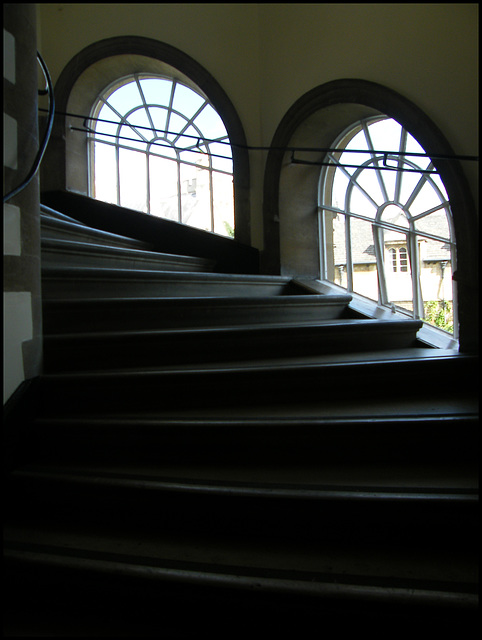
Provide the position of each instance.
(56, 252)
(240, 444)
(89, 282)
(316, 505)
(123, 350)
(91, 315)
(60, 228)
(320, 385)
(58, 215)
(336, 574)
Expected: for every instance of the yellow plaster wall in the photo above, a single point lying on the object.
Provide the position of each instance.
(266, 56)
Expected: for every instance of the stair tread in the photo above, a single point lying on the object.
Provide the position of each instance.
(420, 482)
(333, 326)
(52, 213)
(239, 555)
(91, 314)
(293, 364)
(363, 410)
(86, 271)
(194, 301)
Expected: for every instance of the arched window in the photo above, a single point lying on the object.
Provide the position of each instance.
(103, 68)
(386, 222)
(158, 146)
(440, 279)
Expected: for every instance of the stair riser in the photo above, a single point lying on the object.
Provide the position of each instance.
(60, 259)
(184, 392)
(153, 350)
(169, 313)
(62, 230)
(243, 442)
(134, 287)
(417, 523)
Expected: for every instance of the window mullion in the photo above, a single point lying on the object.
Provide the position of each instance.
(418, 187)
(179, 198)
(148, 184)
(381, 182)
(399, 174)
(414, 257)
(380, 259)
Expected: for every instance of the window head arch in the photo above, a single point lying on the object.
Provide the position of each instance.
(158, 145)
(386, 229)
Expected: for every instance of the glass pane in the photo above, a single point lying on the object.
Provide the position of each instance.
(389, 180)
(363, 258)
(436, 283)
(106, 113)
(194, 157)
(162, 148)
(409, 182)
(397, 267)
(163, 188)
(159, 119)
(186, 101)
(105, 173)
(125, 98)
(357, 143)
(176, 125)
(385, 135)
(396, 216)
(414, 147)
(435, 223)
(133, 179)
(223, 159)
(340, 185)
(359, 202)
(368, 181)
(189, 138)
(139, 118)
(157, 91)
(426, 199)
(195, 197)
(223, 196)
(210, 123)
(129, 138)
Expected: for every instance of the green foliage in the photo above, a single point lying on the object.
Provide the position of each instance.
(229, 229)
(439, 313)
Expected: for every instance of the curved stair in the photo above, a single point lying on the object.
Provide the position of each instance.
(232, 454)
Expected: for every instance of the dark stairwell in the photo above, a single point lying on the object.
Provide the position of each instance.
(217, 451)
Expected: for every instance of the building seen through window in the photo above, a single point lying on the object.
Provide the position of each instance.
(385, 223)
(158, 146)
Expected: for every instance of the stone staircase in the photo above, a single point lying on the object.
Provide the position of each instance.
(233, 454)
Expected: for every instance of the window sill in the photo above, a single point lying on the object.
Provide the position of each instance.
(427, 335)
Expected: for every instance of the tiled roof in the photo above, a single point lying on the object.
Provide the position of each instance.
(362, 243)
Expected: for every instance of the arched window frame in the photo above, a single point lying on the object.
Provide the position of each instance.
(167, 144)
(410, 232)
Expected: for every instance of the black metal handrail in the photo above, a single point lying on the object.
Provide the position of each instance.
(41, 151)
(384, 154)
